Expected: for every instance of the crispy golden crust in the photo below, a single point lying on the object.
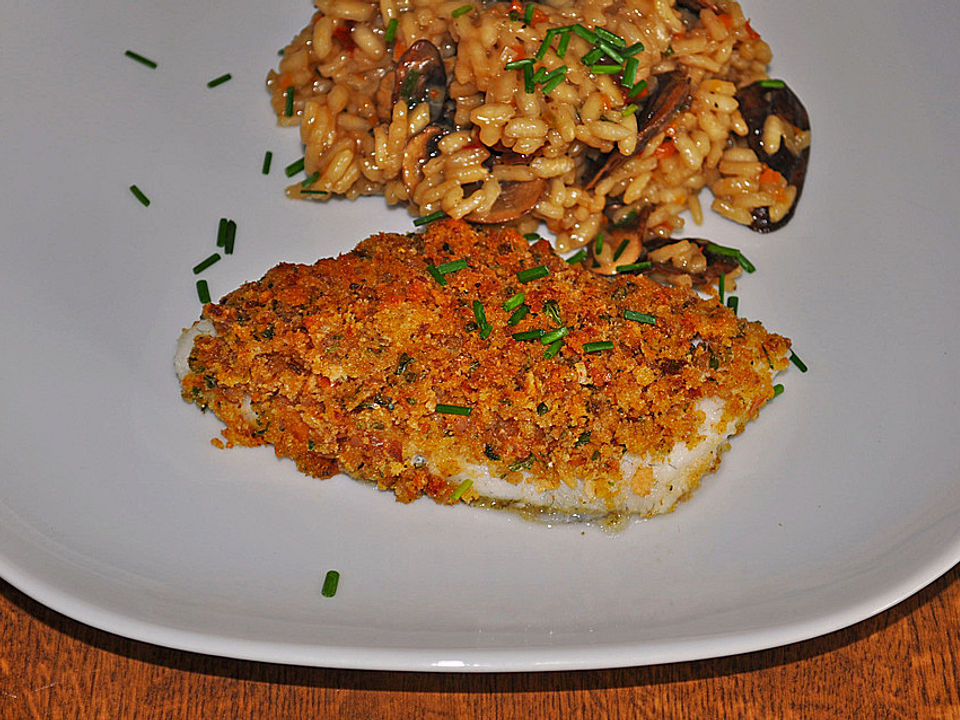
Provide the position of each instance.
(345, 361)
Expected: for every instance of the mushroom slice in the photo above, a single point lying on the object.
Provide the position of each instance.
(420, 148)
(716, 264)
(515, 199)
(670, 96)
(421, 77)
(779, 134)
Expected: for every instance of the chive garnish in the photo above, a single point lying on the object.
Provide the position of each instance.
(610, 52)
(588, 35)
(733, 302)
(453, 409)
(578, 256)
(775, 84)
(547, 39)
(518, 314)
(479, 313)
(636, 89)
(432, 269)
(669, 51)
(524, 464)
(555, 335)
(630, 72)
(598, 244)
(528, 84)
(138, 194)
(777, 389)
(204, 264)
(528, 14)
(391, 31)
(229, 237)
(461, 489)
(532, 237)
(563, 44)
(517, 64)
(221, 232)
(634, 267)
(552, 350)
(629, 109)
(640, 317)
(721, 286)
(485, 331)
(604, 69)
(288, 97)
(533, 273)
(551, 308)
(311, 179)
(203, 291)
(452, 266)
(591, 57)
(294, 167)
(620, 248)
(797, 361)
(528, 335)
(551, 83)
(540, 75)
(462, 10)
(632, 50)
(330, 582)
(427, 219)
(140, 59)
(731, 252)
(542, 409)
(514, 301)
(595, 347)
(610, 37)
(219, 80)
(267, 160)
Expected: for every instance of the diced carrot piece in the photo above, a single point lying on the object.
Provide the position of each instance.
(769, 175)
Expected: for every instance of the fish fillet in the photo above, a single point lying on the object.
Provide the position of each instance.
(397, 364)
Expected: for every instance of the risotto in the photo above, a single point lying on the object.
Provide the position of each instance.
(588, 117)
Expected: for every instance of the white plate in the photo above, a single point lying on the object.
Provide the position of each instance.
(114, 508)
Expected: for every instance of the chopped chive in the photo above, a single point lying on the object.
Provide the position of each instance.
(634, 267)
(540, 75)
(219, 80)
(517, 64)
(554, 335)
(221, 232)
(529, 335)
(518, 314)
(427, 219)
(514, 301)
(140, 59)
(311, 179)
(595, 347)
(586, 34)
(626, 219)
(294, 167)
(432, 269)
(528, 14)
(330, 582)
(638, 88)
(452, 266)
(453, 409)
(553, 349)
(229, 237)
(391, 31)
(604, 69)
(777, 389)
(669, 51)
(733, 302)
(522, 464)
(592, 56)
(563, 44)
(267, 160)
(533, 273)
(138, 194)
(462, 10)
(610, 37)
(485, 331)
(532, 237)
(598, 244)
(204, 264)
(545, 45)
(632, 49)
(479, 313)
(640, 317)
(629, 110)
(731, 252)
(721, 286)
(797, 361)
(552, 309)
(551, 83)
(528, 84)
(578, 256)
(610, 51)
(461, 489)
(630, 71)
(281, 51)
(288, 98)
(203, 291)
(775, 84)
(619, 251)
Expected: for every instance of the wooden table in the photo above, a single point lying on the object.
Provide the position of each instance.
(904, 663)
